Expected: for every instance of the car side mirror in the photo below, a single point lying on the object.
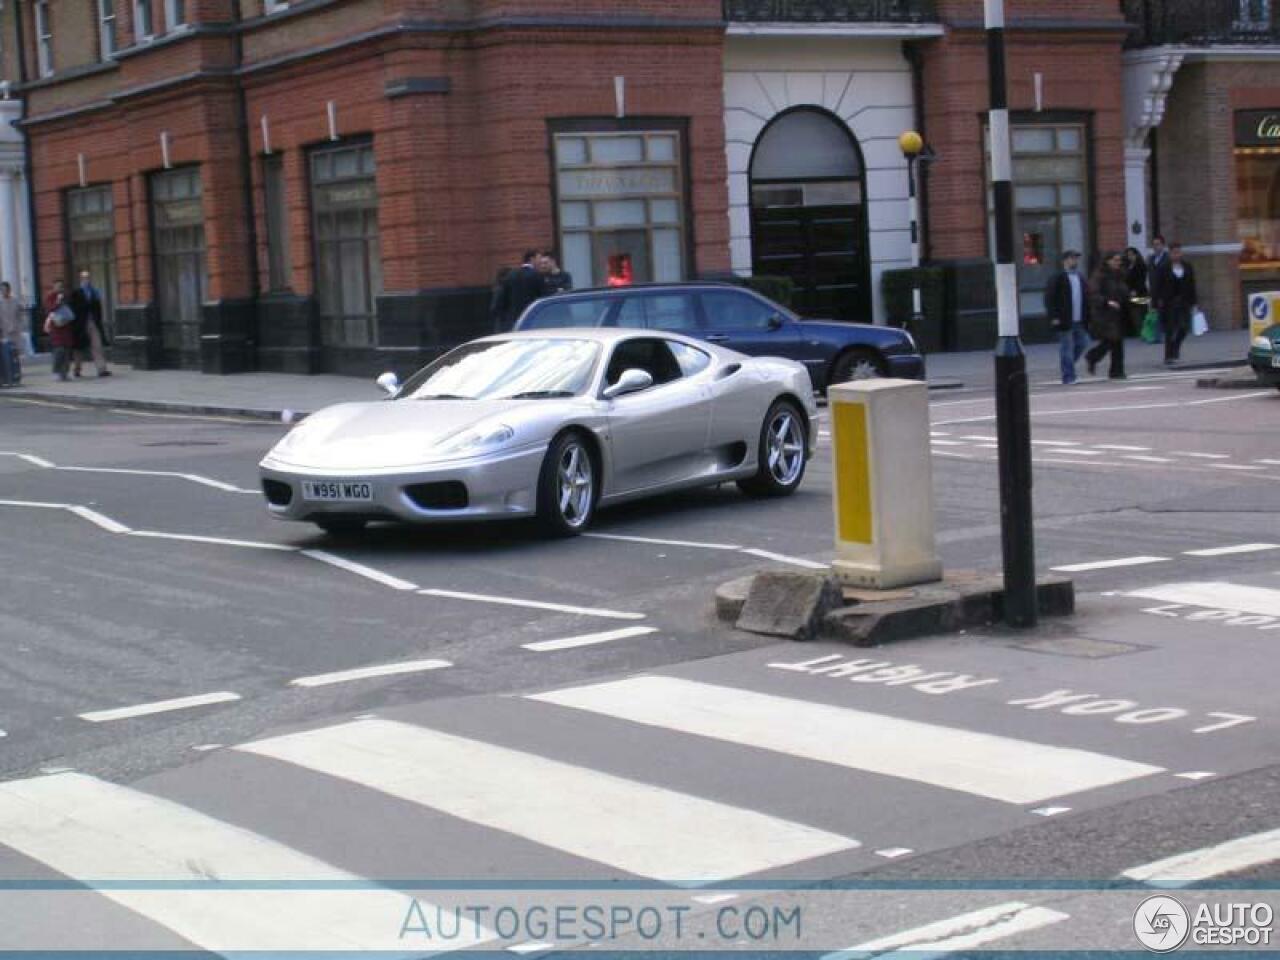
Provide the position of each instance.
(389, 382)
(776, 321)
(631, 381)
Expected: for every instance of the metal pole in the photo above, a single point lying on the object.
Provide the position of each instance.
(917, 312)
(1013, 415)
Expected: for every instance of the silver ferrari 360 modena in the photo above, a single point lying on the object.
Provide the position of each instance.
(548, 424)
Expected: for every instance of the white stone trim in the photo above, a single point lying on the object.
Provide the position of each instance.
(872, 31)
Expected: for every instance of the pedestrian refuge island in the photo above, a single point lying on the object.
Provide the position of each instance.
(882, 485)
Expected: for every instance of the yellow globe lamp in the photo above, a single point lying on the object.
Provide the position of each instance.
(912, 143)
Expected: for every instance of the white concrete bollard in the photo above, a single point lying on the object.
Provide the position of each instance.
(882, 485)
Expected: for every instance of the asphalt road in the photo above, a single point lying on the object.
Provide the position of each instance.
(1007, 768)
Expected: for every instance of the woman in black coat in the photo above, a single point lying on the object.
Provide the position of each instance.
(1135, 276)
(1109, 296)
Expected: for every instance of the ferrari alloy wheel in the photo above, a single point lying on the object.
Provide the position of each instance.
(567, 486)
(783, 454)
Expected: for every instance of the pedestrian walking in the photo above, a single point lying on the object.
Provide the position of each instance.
(91, 335)
(59, 322)
(1135, 278)
(1108, 295)
(519, 288)
(1176, 299)
(554, 279)
(10, 335)
(1066, 302)
(1159, 257)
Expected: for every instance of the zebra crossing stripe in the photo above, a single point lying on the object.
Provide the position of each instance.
(643, 829)
(180, 869)
(1216, 596)
(963, 932)
(985, 765)
(1195, 866)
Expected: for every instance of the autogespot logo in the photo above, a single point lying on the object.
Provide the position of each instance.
(1161, 924)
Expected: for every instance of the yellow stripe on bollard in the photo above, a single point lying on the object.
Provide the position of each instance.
(852, 449)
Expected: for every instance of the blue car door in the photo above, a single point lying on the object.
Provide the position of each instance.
(742, 322)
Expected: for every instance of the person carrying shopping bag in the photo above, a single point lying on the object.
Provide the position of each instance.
(1108, 295)
(1175, 297)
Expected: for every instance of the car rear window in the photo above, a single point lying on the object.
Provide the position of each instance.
(578, 312)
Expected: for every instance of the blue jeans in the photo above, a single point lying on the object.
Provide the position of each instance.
(1071, 347)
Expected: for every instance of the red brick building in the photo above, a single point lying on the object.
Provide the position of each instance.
(333, 184)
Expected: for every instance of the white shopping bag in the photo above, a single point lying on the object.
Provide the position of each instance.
(1199, 323)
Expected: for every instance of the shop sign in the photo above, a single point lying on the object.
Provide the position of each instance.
(1258, 128)
(180, 213)
(348, 195)
(601, 183)
(83, 228)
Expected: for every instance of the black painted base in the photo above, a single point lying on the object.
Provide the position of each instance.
(138, 341)
(227, 336)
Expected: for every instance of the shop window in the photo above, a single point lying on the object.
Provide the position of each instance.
(1253, 15)
(1050, 181)
(181, 262)
(1258, 206)
(106, 29)
(44, 38)
(621, 206)
(91, 232)
(344, 203)
(279, 262)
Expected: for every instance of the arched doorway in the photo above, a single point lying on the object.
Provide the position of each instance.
(808, 213)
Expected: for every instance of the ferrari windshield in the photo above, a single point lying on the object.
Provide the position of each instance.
(507, 369)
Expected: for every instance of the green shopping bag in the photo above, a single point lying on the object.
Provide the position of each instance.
(1151, 327)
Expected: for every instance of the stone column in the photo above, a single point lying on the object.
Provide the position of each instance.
(1137, 223)
(10, 236)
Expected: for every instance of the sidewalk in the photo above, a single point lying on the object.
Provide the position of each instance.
(271, 395)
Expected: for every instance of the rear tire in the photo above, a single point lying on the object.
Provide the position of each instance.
(783, 453)
(567, 487)
(340, 526)
(857, 364)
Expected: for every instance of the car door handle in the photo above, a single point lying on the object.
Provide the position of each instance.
(717, 337)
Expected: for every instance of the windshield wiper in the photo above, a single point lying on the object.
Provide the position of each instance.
(540, 394)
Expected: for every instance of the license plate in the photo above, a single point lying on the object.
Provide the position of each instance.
(337, 491)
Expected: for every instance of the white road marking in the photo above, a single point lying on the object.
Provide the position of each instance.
(1080, 452)
(1201, 456)
(100, 833)
(663, 543)
(985, 765)
(1054, 443)
(939, 433)
(783, 558)
(643, 829)
(589, 639)
(1194, 866)
(1238, 548)
(41, 403)
(987, 446)
(1195, 775)
(192, 477)
(892, 853)
(1235, 466)
(1269, 463)
(36, 503)
(33, 460)
(1215, 596)
(1146, 459)
(101, 520)
(1122, 447)
(1108, 564)
(948, 443)
(532, 604)
(184, 416)
(194, 538)
(1129, 408)
(1050, 811)
(159, 706)
(964, 932)
(207, 747)
(976, 437)
(365, 673)
(359, 569)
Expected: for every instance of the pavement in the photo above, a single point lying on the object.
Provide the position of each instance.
(279, 395)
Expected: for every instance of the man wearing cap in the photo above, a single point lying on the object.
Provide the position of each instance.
(1066, 301)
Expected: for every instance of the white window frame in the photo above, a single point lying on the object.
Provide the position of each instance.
(140, 35)
(44, 38)
(106, 29)
(172, 22)
(274, 6)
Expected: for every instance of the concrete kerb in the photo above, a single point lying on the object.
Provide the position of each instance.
(781, 604)
(1232, 383)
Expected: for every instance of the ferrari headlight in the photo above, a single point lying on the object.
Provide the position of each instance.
(477, 439)
(1261, 343)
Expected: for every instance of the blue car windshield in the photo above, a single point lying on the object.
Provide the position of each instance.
(507, 369)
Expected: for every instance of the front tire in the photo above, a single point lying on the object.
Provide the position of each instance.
(857, 364)
(783, 453)
(338, 525)
(567, 484)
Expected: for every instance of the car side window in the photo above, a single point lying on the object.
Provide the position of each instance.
(631, 313)
(727, 310)
(580, 312)
(643, 353)
(691, 359)
(670, 311)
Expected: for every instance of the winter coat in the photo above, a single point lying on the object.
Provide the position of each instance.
(1108, 322)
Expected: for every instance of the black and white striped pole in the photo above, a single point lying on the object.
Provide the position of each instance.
(912, 145)
(1013, 414)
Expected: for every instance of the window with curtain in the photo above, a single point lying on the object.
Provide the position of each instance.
(106, 29)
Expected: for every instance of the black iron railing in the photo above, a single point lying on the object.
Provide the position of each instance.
(831, 11)
(1157, 22)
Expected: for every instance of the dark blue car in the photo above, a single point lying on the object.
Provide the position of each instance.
(741, 320)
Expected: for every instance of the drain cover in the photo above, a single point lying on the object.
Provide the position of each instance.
(1087, 647)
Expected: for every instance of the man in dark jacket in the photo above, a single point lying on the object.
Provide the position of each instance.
(91, 337)
(519, 288)
(1066, 302)
(1173, 291)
